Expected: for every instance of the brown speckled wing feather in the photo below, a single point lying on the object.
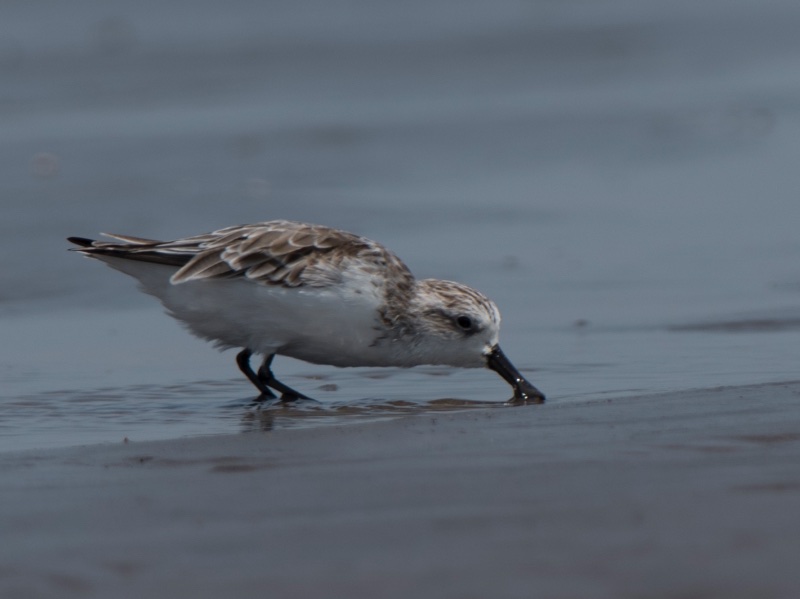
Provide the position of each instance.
(282, 253)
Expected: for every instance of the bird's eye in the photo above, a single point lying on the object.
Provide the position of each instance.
(464, 322)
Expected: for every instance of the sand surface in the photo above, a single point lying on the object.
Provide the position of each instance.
(684, 495)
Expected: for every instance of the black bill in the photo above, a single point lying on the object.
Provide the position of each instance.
(524, 392)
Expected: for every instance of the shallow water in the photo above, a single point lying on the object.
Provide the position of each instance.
(619, 177)
(148, 412)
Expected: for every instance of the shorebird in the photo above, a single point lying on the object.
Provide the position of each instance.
(313, 293)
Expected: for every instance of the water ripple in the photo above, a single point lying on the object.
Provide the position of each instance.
(146, 412)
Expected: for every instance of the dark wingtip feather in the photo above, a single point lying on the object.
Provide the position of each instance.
(81, 241)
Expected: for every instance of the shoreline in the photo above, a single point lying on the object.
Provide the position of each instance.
(691, 493)
(363, 413)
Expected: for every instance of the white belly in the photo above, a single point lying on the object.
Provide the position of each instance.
(331, 325)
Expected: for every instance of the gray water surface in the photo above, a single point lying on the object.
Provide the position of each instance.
(620, 177)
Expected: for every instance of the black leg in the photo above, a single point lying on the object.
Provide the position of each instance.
(243, 360)
(267, 378)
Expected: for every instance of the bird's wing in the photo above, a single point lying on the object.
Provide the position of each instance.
(284, 253)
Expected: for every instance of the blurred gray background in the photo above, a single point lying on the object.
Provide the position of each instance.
(620, 176)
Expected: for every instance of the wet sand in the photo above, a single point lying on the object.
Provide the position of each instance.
(688, 494)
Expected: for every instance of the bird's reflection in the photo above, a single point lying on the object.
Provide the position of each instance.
(266, 414)
(257, 421)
